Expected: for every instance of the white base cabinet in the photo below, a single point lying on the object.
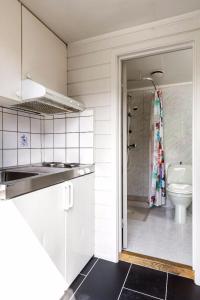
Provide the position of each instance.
(62, 218)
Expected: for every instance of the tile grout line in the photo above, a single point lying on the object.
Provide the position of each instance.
(166, 286)
(124, 281)
(141, 293)
(84, 279)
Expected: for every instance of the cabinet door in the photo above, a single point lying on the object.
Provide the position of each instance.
(80, 226)
(44, 56)
(10, 49)
(43, 210)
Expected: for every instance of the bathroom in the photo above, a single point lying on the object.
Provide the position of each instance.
(157, 129)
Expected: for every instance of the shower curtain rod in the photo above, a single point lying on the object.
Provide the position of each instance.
(143, 79)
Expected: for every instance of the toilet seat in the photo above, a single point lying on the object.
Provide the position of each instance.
(179, 188)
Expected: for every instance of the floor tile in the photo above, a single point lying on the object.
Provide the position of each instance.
(147, 281)
(162, 244)
(89, 265)
(73, 287)
(131, 295)
(104, 282)
(180, 288)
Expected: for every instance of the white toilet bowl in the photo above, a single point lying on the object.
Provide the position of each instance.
(179, 189)
(181, 197)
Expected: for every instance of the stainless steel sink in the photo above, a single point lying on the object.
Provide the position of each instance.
(12, 175)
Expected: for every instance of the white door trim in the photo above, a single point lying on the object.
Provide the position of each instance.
(167, 43)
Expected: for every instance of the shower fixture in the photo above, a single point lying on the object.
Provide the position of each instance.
(145, 79)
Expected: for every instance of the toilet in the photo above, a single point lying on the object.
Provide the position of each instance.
(179, 189)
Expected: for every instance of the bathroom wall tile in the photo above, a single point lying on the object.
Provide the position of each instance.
(86, 155)
(24, 156)
(72, 155)
(72, 125)
(35, 125)
(9, 158)
(9, 140)
(86, 140)
(36, 140)
(59, 140)
(48, 141)
(36, 156)
(48, 126)
(59, 125)
(86, 124)
(9, 122)
(24, 140)
(23, 124)
(72, 140)
(59, 155)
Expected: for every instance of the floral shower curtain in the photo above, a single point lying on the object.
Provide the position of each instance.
(157, 185)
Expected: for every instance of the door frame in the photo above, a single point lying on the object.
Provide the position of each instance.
(172, 42)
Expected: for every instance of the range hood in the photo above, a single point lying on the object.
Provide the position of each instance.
(36, 98)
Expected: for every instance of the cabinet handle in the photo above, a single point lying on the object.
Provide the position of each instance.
(71, 195)
(67, 198)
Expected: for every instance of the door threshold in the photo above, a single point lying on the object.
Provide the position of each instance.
(157, 264)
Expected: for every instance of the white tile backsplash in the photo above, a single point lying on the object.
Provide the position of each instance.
(36, 140)
(23, 124)
(48, 126)
(24, 156)
(48, 141)
(59, 125)
(86, 139)
(28, 138)
(36, 156)
(48, 155)
(72, 125)
(9, 158)
(9, 122)
(86, 155)
(72, 140)
(1, 152)
(72, 155)
(59, 155)
(35, 125)
(9, 140)
(59, 140)
(86, 124)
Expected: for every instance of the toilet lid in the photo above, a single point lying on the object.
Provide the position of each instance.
(180, 188)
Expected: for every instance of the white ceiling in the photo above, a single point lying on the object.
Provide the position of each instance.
(177, 67)
(78, 19)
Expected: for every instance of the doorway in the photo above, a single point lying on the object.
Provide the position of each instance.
(149, 206)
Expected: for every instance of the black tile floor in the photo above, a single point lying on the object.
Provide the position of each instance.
(104, 280)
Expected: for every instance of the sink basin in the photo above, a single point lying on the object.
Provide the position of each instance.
(12, 175)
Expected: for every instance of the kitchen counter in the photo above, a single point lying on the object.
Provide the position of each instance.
(45, 177)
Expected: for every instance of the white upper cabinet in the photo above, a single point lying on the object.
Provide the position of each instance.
(44, 56)
(10, 49)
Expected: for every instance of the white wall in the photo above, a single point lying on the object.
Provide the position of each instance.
(89, 80)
